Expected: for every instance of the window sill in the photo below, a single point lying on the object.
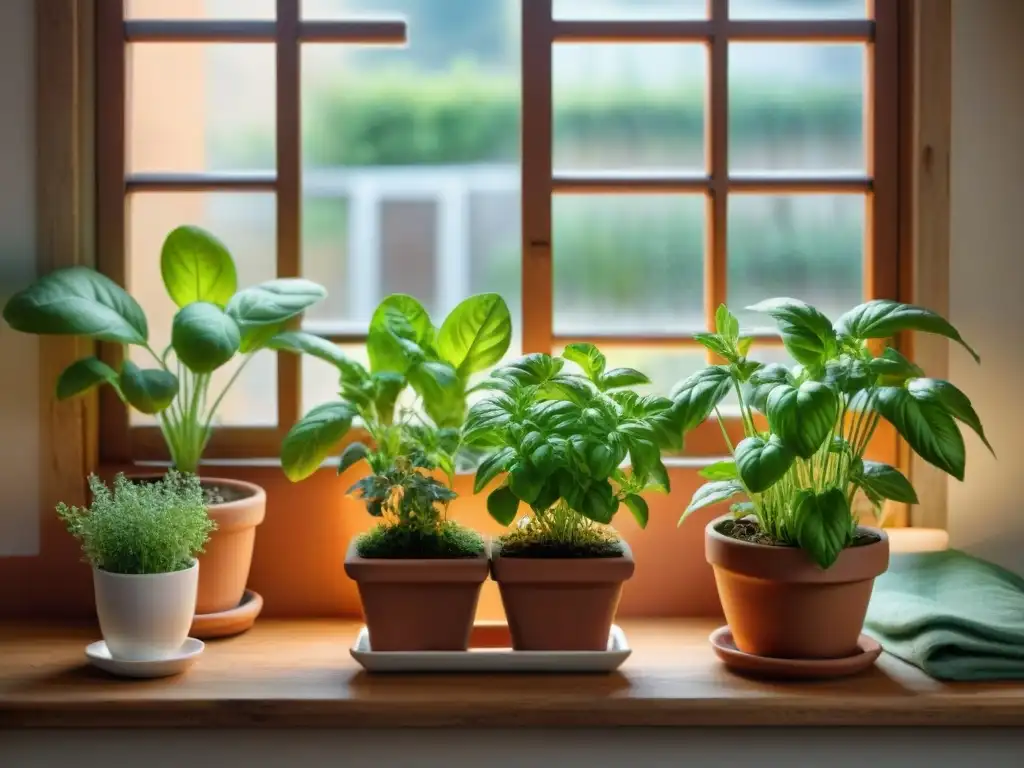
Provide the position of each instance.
(299, 674)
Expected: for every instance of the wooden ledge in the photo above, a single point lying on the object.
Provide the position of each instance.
(300, 674)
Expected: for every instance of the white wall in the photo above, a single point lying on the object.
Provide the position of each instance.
(986, 515)
(19, 368)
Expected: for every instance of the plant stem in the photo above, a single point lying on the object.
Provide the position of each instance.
(725, 434)
(216, 403)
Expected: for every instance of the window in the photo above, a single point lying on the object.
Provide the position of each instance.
(675, 154)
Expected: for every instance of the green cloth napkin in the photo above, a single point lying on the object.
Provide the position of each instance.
(953, 615)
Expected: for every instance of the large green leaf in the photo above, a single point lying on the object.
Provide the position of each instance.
(806, 332)
(647, 464)
(531, 370)
(301, 342)
(848, 375)
(273, 302)
(886, 482)
(204, 337)
(883, 318)
(720, 470)
(492, 466)
(442, 391)
(955, 403)
(803, 416)
(712, 493)
(762, 463)
(621, 377)
(313, 437)
(639, 508)
(486, 419)
(892, 368)
(697, 396)
(526, 482)
(588, 357)
(400, 334)
(476, 334)
(78, 301)
(599, 503)
(926, 426)
(822, 524)
(353, 454)
(386, 387)
(82, 375)
(763, 381)
(502, 505)
(148, 391)
(196, 266)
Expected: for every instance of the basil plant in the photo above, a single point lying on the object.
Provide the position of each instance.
(215, 322)
(798, 477)
(562, 438)
(416, 368)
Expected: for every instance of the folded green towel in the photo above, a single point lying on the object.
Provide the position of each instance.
(954, 616)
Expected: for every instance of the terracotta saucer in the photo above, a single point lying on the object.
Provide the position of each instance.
(793, 669)
(226, 623)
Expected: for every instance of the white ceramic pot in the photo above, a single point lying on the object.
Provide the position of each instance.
(145, 617)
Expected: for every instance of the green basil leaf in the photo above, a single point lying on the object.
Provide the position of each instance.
(204, 337)
(599, 503)
(588, 357)
(763, 381)
(256, 337)
(637, 505)
(300, 342)
(743, 345)
(569, 387)
(82, 375)
(716, 344)
(953, 401)
(926, 426)
(476, 334)
(78, 301)
(503, 505)
(803, 417)
(485, 418)
(386, 388)
(886, 482)
(621, 377)
(531, 370)
(547, 497)
(492, 466)
(884, 318)
(526, 483)
(720, 470)
(727, 326)
(149, 391)
(647, 464)
(742, 370)
(602, 460)
(697, 396)
(848, 375)
(313, 437)
(892, 368)
(822, 524)
(442, 391)
(400, 334)
(762, 463)
(353, 453)
(273, 302)
(196, 266)
(712, 493)
(806, 333)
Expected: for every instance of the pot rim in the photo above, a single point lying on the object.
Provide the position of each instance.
(792, 564)
(416, 570)
(564, 570)
(145, 576)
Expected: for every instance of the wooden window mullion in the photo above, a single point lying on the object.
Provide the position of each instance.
(716, 249)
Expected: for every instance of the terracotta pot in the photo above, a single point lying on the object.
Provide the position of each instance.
(561, 604)
(224, 565)
(418, 604)
(779, 603)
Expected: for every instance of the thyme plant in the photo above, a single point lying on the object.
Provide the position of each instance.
(807, 427)
(141, 528)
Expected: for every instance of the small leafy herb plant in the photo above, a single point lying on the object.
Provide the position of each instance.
(561, 439)
(214, 323)
(409, 355)
(807, 428)
(141, 528)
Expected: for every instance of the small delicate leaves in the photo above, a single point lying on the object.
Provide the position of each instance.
(148, 391)
(82, 375)
(822, 524)
(806, 332)
(476, 334)
(313, 437)
(588, 357)
(886, 482)
(952, 400)
(196, 266)
(712, 493)
(927, 426)
(353, 453)
(204, 337)
(720, 470)
(502, 505)
(803, 417)
(726, 324)
(697, 396)
(762, 463)
(884, 318)
(78, 301)
(638, 507)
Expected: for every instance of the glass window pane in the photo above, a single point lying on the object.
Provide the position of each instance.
(630, 264)
(630, 9)
(321, 381)
(245, 222)
(808, 247)
(411, 160)
(200, 107)
(200, 9)
(798, 9)
(796, 107)
(663, 366)
(629, 106)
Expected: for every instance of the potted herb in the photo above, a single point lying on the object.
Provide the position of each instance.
(793, 566)
(142, 541)
(561, 439)
(215, 323)
(419, 573)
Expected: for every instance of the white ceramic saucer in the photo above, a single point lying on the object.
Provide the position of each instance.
(99, 655)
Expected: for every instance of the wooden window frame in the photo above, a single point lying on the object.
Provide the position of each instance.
(879, 31)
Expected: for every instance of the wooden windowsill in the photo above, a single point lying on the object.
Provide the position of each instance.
(300, 674)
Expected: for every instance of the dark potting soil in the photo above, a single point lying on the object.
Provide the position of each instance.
(212, 493)
(746, 529)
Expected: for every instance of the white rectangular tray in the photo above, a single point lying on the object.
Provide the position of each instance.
(492, 659)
